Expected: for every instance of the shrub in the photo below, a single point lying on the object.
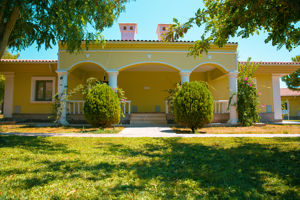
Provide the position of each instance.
(193, 105)
(247, 97)
(102, 106)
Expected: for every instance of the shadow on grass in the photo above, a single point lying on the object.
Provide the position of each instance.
(247, 170)
(38, 145)
(180, 130)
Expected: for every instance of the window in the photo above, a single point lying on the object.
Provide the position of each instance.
(131, 27)
(163, 28)
(42, 89)
(124, 28)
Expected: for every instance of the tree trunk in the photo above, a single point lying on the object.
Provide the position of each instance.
(193, 130)
(8, 29)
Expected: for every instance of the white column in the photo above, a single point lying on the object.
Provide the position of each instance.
(8, 94)
(62, 92)
(185, 77)
(113, 79)
(129, 107)
(233, 89)
(276, 97)
(167, 106)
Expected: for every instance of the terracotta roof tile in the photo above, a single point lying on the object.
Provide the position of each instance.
(288, 92)
(272, 63)
(26, 61)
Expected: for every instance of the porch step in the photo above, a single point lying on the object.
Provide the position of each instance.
(148, 118)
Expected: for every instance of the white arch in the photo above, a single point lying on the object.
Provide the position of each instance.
(145, 62)
(215, 63)
(86, 61)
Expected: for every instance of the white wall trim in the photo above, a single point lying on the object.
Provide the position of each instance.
(86, 61)
(210, 62)
(33, 87)
(148, 62)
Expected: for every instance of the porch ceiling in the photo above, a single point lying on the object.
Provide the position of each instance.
(89, 67)
(150, 67)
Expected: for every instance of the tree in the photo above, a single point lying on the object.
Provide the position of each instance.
(293, 80)
(223, 19)
(23, 22)
(8, 55)
(102, 106)
(193, 105)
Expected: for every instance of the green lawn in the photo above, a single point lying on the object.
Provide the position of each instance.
(146, 168)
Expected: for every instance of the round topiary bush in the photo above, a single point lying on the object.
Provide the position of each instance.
(102, 106)
(193, 105)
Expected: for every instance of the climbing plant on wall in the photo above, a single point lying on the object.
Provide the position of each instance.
(247, 103)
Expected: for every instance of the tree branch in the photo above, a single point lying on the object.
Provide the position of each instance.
(8, 29)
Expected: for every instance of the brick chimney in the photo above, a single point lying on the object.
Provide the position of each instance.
(128, 31)
(161, 29)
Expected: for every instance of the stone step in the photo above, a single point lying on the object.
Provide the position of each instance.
(148, 122)
(148, 118)
(147, 114)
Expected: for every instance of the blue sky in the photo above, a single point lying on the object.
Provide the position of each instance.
(149, 13)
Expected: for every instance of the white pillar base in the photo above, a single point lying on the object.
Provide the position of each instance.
(233, 89)
(63, 122)
(232, 121)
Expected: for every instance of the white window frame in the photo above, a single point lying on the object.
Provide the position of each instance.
(33, 87)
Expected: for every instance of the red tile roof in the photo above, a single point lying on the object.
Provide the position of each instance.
(288, 92)
(271, 63)
(26, 61)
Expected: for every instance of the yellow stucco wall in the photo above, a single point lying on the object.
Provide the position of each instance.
(147, 89)
(294, 103)
(22, 85)
(264, 86)
(116, 55)
(220, 88)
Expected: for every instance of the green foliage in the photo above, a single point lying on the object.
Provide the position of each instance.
(247, 97)
(45, 22)
(85, 88)
(2, 82)
(296, 59)
(193, 105)
(172, 92)
(102, 106)
(293, 80)
(224, 19)
(8, 55)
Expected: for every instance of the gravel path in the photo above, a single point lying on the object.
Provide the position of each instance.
(148, 132)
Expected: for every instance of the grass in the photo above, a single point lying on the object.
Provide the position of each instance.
(148, 168)
(267, 129)
(27, 128)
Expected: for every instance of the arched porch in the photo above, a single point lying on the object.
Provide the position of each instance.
(217, 79)
(147, 85)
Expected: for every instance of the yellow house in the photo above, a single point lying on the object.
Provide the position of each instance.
(291, 100)
(144, 69)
